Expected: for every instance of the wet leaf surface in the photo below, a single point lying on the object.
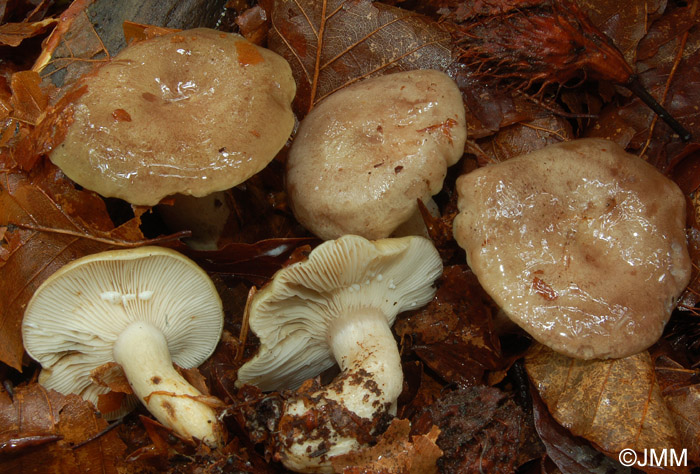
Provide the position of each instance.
(55, 433)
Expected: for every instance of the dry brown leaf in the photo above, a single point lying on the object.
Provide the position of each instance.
(77, 448)
(625, 23)
(681, 390)
(333, 43)
(616, 404)
(137, 32)
(394, 453)
(28, 100)
(12, 34)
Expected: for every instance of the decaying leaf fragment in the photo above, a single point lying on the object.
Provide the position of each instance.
(479, 430)
(71, 421)
(395, 453)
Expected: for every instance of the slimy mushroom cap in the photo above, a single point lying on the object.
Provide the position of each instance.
(580, 243)
(191, 112)
(365, 154)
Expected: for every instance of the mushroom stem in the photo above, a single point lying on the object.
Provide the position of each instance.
(142, 351)
(346, 413)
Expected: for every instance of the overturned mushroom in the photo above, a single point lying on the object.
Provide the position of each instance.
(337, 306)
(580, 243)
(139, 308)
(365, 154)
(191, 112)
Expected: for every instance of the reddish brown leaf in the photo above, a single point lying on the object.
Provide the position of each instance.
(257, 262)
(680, 388)
(28, 100)
(138, 32)
(12, 34)
(333, 43)
(480, 430)
(254, 24)
(614, 403)
(624, 23)
(75, 10)
(79, 445)
(572, 455)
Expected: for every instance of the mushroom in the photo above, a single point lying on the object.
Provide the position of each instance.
(580, 243)
(337, 307)
(142, 308)
(365, 154)
(191, 112)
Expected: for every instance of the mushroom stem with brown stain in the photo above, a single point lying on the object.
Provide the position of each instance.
(337, 307)
(364, 347)
(142, 351)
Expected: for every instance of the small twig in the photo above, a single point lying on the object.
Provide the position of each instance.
(635, 85)
(116, 242)
(109, 427)
(546, 130)
(243, 336)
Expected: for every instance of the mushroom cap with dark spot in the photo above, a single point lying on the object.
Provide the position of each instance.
(191, 112)
(581, 244)
(365, 154)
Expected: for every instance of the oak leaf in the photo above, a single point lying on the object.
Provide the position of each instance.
(333, 43)
(616, 403)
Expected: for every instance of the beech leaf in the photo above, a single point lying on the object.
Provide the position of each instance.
(680, 388)
(12, 34)
(616, 403)
(333, 43)
(572, 455)
(70, 436)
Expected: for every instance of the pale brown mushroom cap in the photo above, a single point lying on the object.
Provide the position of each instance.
(365, 154)
(580, 243)
(191, 112)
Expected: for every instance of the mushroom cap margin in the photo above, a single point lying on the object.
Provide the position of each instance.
(87, 311)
